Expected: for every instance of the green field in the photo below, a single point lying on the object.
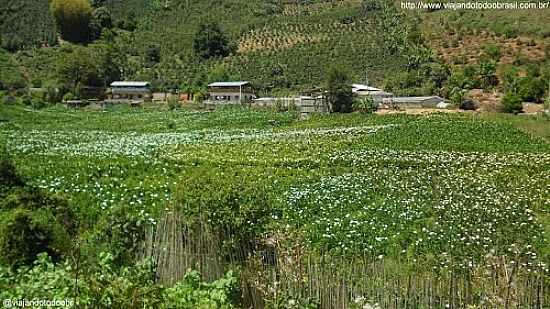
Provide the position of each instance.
(450, 200)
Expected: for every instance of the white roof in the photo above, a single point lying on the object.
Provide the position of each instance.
(360, 87)
(228, 84)
(129, 84)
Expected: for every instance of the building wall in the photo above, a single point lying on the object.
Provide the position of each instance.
(230, 96)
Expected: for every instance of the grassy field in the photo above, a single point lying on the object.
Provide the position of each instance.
(450, 200)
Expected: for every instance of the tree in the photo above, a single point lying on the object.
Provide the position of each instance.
(101, 19)
(531, 89)
(152, 55)
(76, 68)
(211, 42)
(512, 103)
(72, 18)
(339, 90)
(487, 74)
(92, 66)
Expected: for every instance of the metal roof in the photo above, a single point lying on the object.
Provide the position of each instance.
(413, 99)
(359, 87)
(228, 84)
(129, 84)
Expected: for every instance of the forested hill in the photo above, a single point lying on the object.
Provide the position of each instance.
(279, 45)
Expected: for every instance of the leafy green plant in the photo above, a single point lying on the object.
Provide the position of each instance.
(365, 105)
(24, 234)
(512, 103)
(191, 292)
(492, 52)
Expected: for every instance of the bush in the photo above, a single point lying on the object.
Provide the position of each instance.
(9, 177)
(9, 100)
(38, 103)
(24, 234)
(468, 105)
(531, 89)
(487, 75)
(457, 96)
(512, 103)
(123, 231)
(238, 207)
(68, 97)
(104, 286)
(26, 100)
(492, 52)
(173, 102)
(365, 105)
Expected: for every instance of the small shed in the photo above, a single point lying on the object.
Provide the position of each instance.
(377, 94)
(130, 90)
(231, 92)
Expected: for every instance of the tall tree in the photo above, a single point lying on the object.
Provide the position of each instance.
(72, 18)
(211, 42)
(77, 68)
(338, 85)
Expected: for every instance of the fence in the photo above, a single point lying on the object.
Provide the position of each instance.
(275, 273)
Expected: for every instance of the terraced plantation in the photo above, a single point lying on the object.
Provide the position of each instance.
(337, 211)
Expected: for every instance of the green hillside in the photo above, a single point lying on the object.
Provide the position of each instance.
(25, 24)
(281, 44)
(284, 45)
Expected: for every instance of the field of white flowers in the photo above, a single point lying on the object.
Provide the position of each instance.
(440, 191)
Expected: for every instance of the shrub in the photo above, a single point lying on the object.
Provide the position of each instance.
(26, 100)
(487, 74)
(104, 286)
(9, 100)
(191, 292)
(173, 102)
(509, 32)
(492, 52)
(9, 177)
(68, 97)
(457, 96)
(512, 103)
(238, 207)
(122, 230)
(38, 103)
(24, 234)
(531, 89)
(365, 105)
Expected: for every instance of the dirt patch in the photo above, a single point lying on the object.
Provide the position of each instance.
(468, 48)
(532, 108)
(489, 101)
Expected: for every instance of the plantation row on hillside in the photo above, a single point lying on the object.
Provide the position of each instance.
(279, 46)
